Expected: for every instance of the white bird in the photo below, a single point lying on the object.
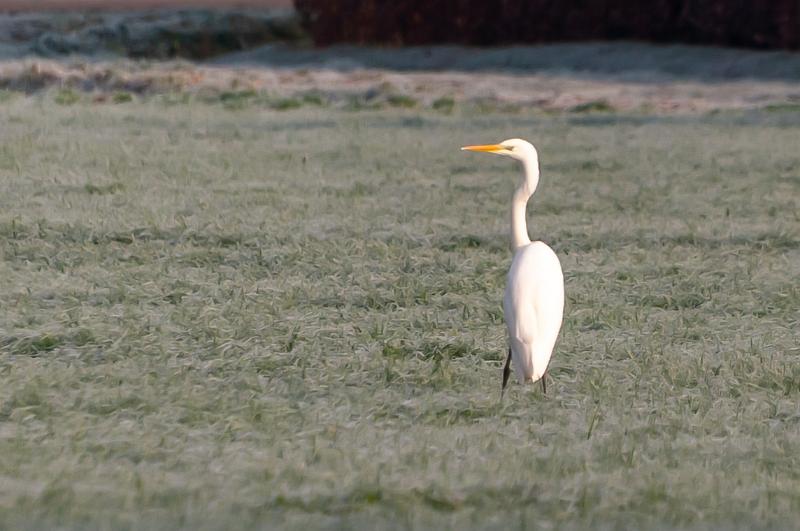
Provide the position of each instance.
(534, 300)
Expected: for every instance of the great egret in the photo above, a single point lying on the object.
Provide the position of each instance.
(534, 300)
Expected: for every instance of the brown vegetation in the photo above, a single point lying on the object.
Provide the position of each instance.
(774, 24)
(45, 5)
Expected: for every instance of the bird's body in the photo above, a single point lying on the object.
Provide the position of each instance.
(534, 299)
(533, 306)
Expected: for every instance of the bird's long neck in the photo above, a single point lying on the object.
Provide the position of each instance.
(519, 224)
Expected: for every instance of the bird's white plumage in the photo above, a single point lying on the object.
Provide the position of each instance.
(534, 297)
(533, 307)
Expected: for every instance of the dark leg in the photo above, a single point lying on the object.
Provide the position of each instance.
(544, 382)
(506, 373)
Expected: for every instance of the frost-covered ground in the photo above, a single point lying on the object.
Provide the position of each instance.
(244, 318)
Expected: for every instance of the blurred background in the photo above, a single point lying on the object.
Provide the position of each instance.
(625, 54)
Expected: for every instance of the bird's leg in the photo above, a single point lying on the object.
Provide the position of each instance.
(544, 382)
(506, 373)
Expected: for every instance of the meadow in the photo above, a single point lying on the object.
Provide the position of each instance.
(255, 318)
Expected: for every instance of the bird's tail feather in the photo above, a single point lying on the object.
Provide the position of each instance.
(524, 364)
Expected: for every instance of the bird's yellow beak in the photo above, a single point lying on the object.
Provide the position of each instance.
(488, 148)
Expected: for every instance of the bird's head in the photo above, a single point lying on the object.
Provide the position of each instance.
(514, 147)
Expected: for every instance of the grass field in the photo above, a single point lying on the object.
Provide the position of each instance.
(253, 318)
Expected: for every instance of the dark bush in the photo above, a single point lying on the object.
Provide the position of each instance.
(750, 23)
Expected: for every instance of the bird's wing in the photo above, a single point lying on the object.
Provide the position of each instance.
(534, 307)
